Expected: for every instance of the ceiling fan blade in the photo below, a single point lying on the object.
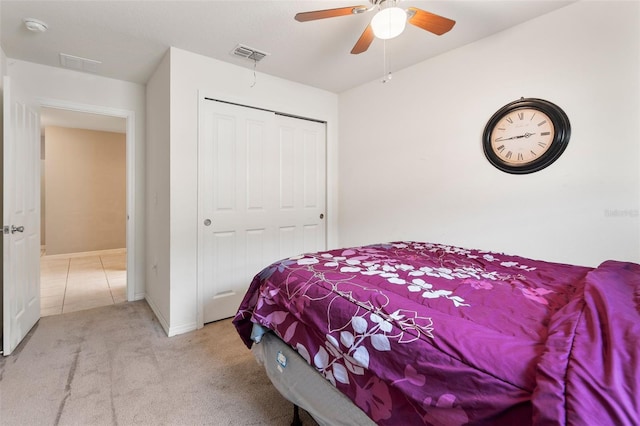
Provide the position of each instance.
(364, 41)
(329, 13)
(429, 21)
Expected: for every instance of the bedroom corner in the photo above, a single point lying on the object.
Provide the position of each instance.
(424, 175)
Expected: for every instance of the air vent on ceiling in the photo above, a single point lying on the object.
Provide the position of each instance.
(248, 53)
(79, 64)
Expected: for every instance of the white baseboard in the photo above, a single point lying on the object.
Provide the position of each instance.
(86, 253)
(181, 329)
(171, 331)
(161, 319)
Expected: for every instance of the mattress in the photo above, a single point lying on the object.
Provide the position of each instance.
(298, 382)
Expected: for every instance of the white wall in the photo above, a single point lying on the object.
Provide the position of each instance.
(411, 159)
(3, 65)
(59, 85)
(192, 75)
(157, 220)
(3, 72)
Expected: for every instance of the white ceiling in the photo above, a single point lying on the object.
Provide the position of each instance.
(130, 37)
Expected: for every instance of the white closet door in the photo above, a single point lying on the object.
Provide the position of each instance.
(261, 195)
(302, 186)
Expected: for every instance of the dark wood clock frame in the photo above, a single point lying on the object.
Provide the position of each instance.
(562, 129)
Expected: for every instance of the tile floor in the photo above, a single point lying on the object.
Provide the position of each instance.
(81, 281)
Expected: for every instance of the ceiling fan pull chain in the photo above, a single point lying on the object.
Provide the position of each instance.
(386, 75)
(255, 64)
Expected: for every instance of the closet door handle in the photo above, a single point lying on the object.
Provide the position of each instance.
(207, 222)
(15, 229)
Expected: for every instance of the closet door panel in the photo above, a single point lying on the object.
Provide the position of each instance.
(261, 192)
(303, 144)
(233, 197)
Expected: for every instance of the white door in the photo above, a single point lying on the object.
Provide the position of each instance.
(301, 186)
(262, 185)
(21, 217)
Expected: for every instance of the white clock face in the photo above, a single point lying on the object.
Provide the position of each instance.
(522, 136)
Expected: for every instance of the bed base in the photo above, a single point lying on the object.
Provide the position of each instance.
(303, 386)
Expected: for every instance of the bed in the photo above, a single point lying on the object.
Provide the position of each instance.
(420, 333)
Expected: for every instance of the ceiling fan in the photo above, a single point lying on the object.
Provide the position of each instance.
(387, 23)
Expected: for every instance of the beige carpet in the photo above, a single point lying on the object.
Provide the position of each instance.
(115, 366)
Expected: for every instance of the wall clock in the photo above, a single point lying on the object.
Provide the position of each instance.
(526, 135)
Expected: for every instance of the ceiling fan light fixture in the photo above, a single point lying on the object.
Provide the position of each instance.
(389, 23)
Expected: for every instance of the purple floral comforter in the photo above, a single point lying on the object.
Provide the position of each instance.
(420, 333)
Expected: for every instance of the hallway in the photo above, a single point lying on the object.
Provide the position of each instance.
(82, 281)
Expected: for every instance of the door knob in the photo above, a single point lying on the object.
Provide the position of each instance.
(15, 229)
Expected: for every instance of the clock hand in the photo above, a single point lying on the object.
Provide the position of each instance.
(526, 135)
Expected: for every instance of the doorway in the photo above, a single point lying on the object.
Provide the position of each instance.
(83, 259)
